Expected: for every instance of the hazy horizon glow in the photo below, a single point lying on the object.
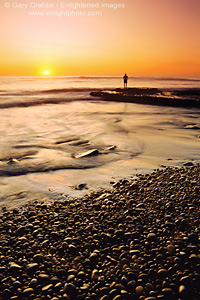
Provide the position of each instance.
(144, 38)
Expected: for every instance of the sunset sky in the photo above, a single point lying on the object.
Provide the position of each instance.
(144, 38)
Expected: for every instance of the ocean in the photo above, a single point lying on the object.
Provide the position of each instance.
(31, 91)
(58, 142)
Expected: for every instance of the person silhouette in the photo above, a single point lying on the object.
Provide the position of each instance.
(125, 81)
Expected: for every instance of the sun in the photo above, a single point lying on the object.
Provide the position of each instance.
(46, 72)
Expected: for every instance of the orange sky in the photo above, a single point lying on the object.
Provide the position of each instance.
(147, 37)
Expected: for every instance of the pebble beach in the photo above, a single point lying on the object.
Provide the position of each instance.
(136, 241)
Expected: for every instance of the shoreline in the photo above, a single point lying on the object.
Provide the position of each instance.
(136, 241)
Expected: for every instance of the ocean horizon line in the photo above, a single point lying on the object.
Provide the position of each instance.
(167, 78)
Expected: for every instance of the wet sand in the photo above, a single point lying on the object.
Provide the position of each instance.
(138, 241)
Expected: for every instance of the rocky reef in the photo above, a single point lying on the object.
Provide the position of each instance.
(152, 96)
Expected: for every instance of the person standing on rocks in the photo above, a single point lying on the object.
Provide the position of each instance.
(125, 80)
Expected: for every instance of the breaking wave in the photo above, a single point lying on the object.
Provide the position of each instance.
(46, 91)
(40, 102)
(41, 97)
